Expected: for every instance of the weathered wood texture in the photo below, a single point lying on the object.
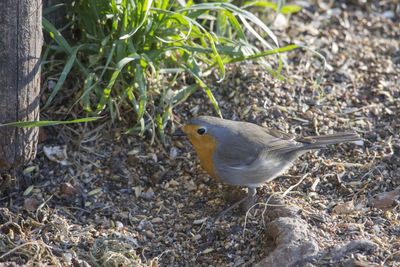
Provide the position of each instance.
(20, 48)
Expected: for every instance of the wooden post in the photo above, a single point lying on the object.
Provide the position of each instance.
(20, 48)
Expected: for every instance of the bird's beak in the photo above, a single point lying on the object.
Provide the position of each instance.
(179, 133)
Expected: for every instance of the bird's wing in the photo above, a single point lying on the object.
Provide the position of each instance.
(279, 134)
(241, 148)
(231, 154)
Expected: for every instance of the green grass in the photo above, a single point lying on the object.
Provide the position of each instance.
(46, 123)
(122, 45)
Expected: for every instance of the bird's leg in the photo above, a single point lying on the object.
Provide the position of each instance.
(251, 192)
(249, 201)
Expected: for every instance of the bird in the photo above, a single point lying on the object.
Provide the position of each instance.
(246, 154)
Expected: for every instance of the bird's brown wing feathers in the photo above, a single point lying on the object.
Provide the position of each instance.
(279, 134)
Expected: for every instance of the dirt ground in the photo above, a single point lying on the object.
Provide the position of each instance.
(115, 200)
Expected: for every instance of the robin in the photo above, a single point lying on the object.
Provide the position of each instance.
(245, 154)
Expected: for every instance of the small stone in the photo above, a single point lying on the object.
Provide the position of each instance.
(173, 153)
(157, 220)
(148, 195)
(196, 237)
(173, 183)
(149, 234)
(208, 250)
(344, 208)
(200, 221)
(119, 225)
(308, 115)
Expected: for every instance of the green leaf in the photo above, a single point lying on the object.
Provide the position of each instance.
(290, 9)
(160, 127)
(260, 3)
(107, 91)
(145, 12)
(141, 80)
(56, 35)
(206, 89)
(63, 76)
(47, 123)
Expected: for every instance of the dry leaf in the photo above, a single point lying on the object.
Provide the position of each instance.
(67, 190)
(386, 200)
(31, 204)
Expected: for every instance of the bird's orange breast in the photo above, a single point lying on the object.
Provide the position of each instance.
(205, 146)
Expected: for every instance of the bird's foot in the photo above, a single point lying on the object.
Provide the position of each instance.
(246, 202)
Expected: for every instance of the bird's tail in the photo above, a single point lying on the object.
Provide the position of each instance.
(315, 142)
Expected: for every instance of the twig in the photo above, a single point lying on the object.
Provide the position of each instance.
(293, 186)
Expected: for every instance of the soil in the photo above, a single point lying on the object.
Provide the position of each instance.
(112, 199)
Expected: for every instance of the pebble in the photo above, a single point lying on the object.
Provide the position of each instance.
(173, 153)
(119, 225)
(157, 220)
(208, 250)
(196, 237)
(149, 234)
(200, 221)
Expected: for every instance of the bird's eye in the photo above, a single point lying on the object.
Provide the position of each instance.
(201, 131)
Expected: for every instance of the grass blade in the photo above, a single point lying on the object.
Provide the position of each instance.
(47, 123)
